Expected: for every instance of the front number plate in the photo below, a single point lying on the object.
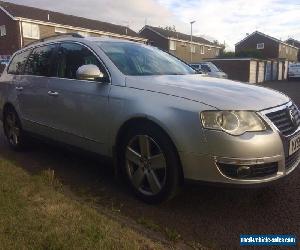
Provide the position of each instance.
(294, 144)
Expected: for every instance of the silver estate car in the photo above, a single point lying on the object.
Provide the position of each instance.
(161, 122)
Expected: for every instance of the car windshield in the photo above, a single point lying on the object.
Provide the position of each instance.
(140, 60)
(213, 67)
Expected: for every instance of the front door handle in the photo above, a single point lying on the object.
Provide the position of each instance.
(19, 88)
(52, 93)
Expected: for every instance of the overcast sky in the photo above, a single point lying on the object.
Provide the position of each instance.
(224, 20)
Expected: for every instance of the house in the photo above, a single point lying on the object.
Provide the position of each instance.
(295, 43)
(190, 49)
(269, 47)
(21, 25)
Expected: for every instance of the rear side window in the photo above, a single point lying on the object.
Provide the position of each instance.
(17, 64)
(39, 61)
(71, 56)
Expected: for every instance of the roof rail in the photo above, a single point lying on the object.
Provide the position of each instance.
(76, 35)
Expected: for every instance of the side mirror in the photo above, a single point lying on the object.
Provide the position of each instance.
(89, 72)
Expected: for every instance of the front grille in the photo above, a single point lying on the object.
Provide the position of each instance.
(292, 159)
(282, 119)
(259, 170)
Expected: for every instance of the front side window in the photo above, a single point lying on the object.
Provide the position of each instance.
(205, 68)
(31, 30)
(39, 61)
(140, 60)
(17, 64)
(213, 67)
(71, 56)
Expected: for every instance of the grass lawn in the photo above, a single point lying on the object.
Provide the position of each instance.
(35, 214)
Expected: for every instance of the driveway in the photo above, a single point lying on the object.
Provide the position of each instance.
(214, 217)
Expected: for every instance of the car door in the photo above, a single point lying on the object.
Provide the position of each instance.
(79, 107)
(14, 75)
(33, 89)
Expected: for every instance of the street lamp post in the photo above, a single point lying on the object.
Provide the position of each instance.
(191, 39)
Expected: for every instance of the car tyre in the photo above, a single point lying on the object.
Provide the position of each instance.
(150, 163)
(13, 129)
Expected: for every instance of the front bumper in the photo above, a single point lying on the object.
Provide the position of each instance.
(262, 151)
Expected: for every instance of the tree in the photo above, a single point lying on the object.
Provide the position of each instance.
(169, 28)
(251, 53)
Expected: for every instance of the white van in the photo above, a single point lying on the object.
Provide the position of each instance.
(294, 71)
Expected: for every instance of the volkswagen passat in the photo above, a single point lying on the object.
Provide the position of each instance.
(150, 111)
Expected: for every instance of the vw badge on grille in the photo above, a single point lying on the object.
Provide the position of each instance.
(292, 116)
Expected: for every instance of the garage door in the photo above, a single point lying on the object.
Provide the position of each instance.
(261, 72)
(280, 70)
(274, 75)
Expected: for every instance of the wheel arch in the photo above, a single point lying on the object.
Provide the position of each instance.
(135, 121)
(6, 106)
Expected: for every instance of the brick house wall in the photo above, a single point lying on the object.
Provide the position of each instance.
(183, 47)
(183, 51)
(288, 52)
(11, 41)
(273, 49)
(155, 39)
(270, 46)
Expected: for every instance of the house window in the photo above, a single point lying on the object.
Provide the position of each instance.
(217, 52)
(172, 45)
(193, 48)
(2, 30)
(209, 48)
(60, 30)
(202, 50)
(260, 46)
(31, 30)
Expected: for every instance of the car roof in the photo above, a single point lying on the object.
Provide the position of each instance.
(62, 38)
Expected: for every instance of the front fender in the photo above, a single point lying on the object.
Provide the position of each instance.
(178, 117)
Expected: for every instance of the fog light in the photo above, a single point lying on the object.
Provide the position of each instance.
(243, 171)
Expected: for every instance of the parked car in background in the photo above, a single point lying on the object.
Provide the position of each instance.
(209, 69)
(161, 122)
(294, 71)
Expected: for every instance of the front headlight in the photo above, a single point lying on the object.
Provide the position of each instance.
(232, 122)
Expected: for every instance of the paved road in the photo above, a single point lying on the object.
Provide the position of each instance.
(214, 217)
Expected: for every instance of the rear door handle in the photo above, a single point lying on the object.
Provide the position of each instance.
(19, 88)
(52, 93)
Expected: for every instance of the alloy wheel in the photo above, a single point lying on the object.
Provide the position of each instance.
(146, 165)
(12, 128)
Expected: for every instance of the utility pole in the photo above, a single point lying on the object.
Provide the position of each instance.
(192, 22)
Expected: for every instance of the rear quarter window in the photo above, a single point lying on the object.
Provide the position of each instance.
(18, 63)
